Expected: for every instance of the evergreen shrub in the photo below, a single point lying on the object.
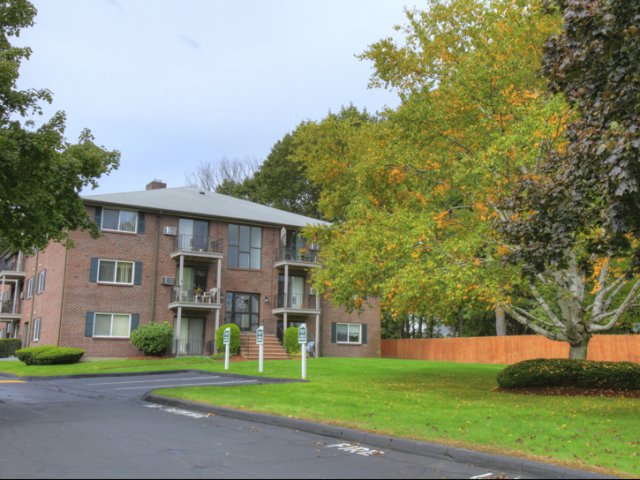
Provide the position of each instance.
(571, 373)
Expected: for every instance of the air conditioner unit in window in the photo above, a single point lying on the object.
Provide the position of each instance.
(170, 230)
(168, 281)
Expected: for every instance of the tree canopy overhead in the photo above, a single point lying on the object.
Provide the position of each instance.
(42, 174)
(440, 198)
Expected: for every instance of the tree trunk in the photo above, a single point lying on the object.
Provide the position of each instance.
(578, 351)
(501, 323)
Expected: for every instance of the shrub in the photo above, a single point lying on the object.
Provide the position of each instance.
(571, 373)
(291, 344)
(153, 338)
(234, 346)
(8, 346)
(49, 355)
(26, 355)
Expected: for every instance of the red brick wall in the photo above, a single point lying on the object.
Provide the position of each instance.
(370, 316)
(151, 299)
(45, 305)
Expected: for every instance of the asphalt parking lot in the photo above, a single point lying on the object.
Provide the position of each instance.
(113, 427)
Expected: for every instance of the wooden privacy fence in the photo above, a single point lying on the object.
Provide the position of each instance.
(511, 349)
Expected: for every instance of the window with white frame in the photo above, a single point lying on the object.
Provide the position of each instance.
(115, 271)
(119, 220)
(112, 325)
(42, 276)
(349, 333)
(30, 288)
(36, 329)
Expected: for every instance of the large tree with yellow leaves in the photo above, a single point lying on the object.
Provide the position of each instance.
(422, 191)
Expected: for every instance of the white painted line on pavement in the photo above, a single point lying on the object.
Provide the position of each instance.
(148, 381)
(182, 385)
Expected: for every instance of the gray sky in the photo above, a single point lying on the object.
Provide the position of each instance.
(172, 83)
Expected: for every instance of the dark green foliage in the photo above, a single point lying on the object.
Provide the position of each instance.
(291, 344)
(234, 346)
(49, 355)
(571, 373)
(42, 174)
(153, 338)
(8, 346)
(595, 184)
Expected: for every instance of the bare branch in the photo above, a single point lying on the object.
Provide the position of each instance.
(536, 328)
(545, 306)
(624, 306)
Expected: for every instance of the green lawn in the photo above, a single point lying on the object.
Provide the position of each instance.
(432, 401)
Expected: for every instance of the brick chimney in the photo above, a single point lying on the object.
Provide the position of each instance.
(156, 185)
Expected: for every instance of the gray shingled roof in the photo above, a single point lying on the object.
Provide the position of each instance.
(192, 202)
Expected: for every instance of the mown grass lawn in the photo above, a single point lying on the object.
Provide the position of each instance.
(431, 401)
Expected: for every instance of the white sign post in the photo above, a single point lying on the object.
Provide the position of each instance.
(226, 340)
(260, 342)
(302, 340)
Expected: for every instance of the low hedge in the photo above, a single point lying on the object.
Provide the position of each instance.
(234, 345)
(571, 373)
(8, 346)
(49, 355)
(153, 338)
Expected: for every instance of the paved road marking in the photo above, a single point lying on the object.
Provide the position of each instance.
(364, 451)
(12, 381)
(149, 381)
(179, 411)
(182, 385)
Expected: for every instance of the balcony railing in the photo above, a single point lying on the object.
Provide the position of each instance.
(196, 243)
(297, 302)
(297, 254)
(190, 296)
(12, 264)
(7, 306)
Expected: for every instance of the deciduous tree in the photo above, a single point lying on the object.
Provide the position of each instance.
(41, 174)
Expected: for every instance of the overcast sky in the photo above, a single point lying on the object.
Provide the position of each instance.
(172, 83)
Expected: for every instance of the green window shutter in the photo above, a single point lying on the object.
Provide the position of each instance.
(88, 325)
(137, 279)
(93, 270)
(135, 321)
(140, 222)
(97, 216)
(334, 333)
(364, 333)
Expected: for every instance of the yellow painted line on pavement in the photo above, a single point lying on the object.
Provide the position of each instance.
(12, 381)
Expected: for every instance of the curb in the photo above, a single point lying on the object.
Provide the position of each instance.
(435, 451)
(140, 374)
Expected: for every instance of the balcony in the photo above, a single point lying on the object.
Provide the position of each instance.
(13, 267)
(197, 246)
(209, 300)
(9, 310)
(300, 257)
(297, 303)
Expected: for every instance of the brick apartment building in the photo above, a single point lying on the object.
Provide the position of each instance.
(195, 259)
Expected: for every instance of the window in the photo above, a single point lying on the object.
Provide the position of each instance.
(112, 325)
(30, 288)
(245, 246)
(42, 276)
(349, 333)
(119, 220)
(36, 330)
(243, 309)
(114, 271)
